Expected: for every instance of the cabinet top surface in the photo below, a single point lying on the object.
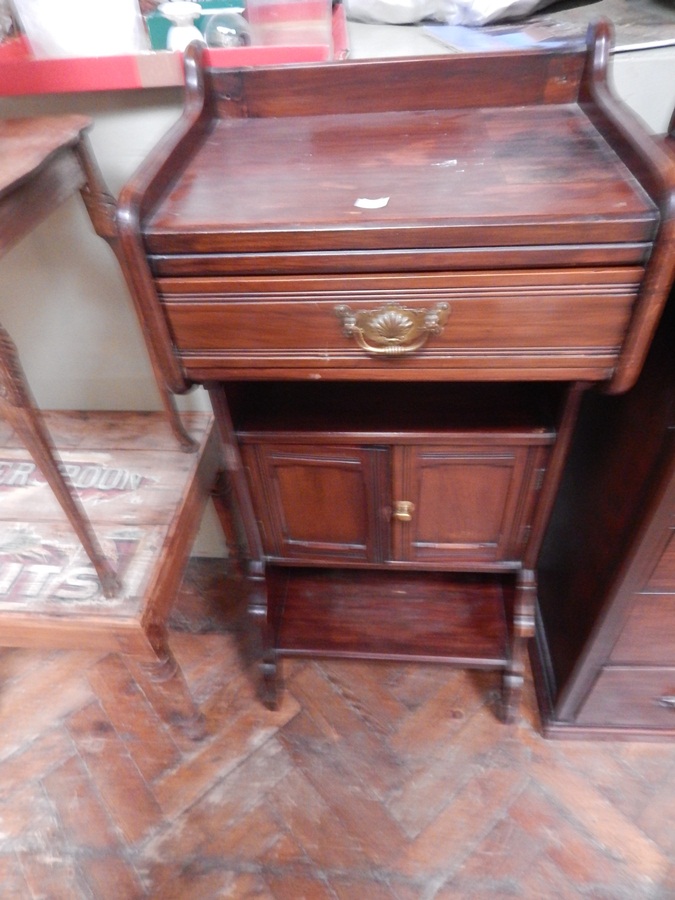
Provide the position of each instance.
(467, 174)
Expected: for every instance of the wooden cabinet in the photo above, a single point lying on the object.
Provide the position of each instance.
(352, 513)
(606, 630)
(454, 496)
(396, 299)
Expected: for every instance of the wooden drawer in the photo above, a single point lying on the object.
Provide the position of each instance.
(631, 697)
(663, 576)
(648, 636)
(535, 324)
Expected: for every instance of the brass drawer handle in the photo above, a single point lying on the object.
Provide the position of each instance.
(668, 701)
(392, 330)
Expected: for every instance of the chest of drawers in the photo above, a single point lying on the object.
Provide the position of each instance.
(606, 646)
(606, 626)
(396, 279)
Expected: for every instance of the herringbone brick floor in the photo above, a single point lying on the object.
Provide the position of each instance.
(371, 782)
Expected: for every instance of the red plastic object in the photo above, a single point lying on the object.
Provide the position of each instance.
(21, 73)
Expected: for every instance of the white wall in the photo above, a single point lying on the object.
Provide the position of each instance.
(645, 80)
(62, 297)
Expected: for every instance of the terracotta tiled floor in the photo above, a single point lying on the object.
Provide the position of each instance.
(371, 781)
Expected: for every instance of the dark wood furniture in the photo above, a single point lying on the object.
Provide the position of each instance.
(98, 511)
(397, 279)
(606, 626)
(605, 647)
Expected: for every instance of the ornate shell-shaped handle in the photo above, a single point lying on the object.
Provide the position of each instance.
(392, 329)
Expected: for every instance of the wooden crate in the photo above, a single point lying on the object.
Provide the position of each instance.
(144, 497)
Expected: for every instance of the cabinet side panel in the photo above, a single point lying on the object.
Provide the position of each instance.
(608, 488)
(663, 576)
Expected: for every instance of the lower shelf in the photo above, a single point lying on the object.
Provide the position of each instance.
(421, 617)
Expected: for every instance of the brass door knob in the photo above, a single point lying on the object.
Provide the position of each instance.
(403, 510)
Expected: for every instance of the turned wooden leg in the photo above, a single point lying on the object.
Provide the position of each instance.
(258, 609)
(171, 694)
(522, 629)
(269, 669)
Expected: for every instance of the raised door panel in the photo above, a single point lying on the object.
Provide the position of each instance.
(319, 503)
(469, 504)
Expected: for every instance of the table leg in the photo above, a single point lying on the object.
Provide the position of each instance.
(17, 404)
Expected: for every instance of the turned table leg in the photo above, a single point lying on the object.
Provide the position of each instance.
(522, 630)
(173, 698)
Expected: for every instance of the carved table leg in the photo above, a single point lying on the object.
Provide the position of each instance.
(243, 523)
(269, 669)
(522, 630)
(258, 609)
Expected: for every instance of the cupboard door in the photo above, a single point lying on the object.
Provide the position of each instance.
(460, 505)
(320, 503)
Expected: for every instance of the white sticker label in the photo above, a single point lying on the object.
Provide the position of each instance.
(371, 203)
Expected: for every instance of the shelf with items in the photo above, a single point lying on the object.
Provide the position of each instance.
(22, 73)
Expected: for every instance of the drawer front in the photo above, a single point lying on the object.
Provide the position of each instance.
(546, 324)
(648, 635)
(663, 576)
(631, 697)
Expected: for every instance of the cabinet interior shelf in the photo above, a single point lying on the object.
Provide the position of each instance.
(385, 410)
(411, 616)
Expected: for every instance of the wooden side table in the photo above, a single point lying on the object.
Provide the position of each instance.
(98, 511)
(397, 279)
